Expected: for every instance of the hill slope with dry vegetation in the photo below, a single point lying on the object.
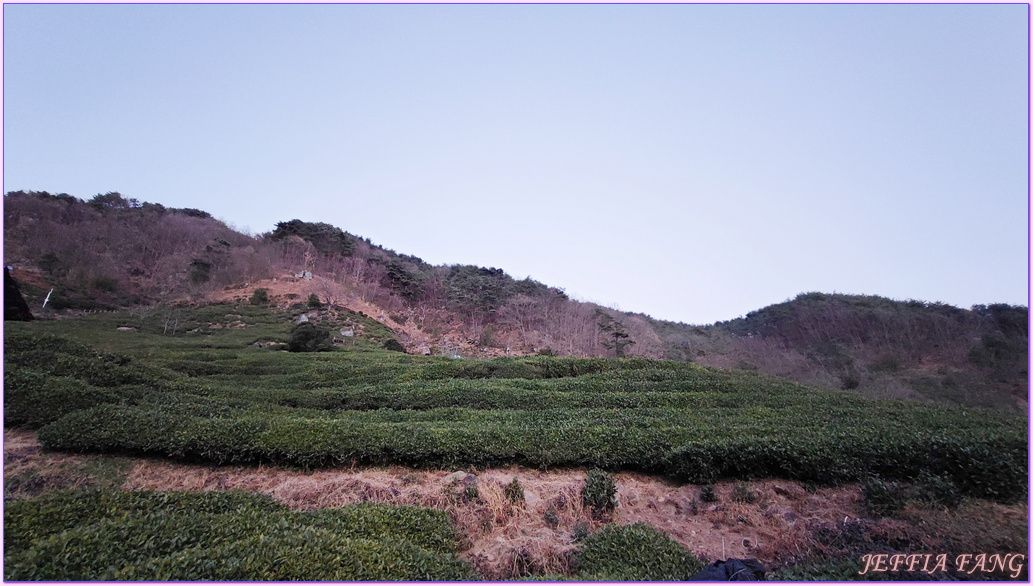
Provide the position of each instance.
(115, 252)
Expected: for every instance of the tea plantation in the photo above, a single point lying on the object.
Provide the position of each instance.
(115, 535)
(218, 394)
(212, 395)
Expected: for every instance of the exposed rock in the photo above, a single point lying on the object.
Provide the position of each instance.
(461, 477)
(15, 308)
(789, 490)
(125, 329)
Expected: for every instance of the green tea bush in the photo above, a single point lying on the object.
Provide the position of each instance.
(196, 368)
(34, 399)
(461, 437)
(634, 553)
(35, 519)
(191, 405)
(364, 405)
(427, 528)
(57, 356)
(146, 535)
(599, 491)
(114, 429)
(114, 535)
(309, 555)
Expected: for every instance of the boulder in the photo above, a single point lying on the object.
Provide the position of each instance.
(15, 308)
(461, 477)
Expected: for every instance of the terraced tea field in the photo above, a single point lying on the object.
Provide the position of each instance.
(222, 391)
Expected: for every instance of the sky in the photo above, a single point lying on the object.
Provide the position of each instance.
(690, 162)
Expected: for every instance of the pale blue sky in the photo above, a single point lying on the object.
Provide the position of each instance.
(692, 162)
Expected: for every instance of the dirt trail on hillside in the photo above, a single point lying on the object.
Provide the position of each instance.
(775, 521)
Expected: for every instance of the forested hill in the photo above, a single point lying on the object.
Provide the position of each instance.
(113, 252)
(877, 346)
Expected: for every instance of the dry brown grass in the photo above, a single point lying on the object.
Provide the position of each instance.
(29, 472)
(783, 524)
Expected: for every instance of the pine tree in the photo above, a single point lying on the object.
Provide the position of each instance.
(615, 330)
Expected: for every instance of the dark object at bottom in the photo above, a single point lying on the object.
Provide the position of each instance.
(731, 571)
(15, 308)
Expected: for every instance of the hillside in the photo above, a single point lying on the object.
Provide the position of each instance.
(385, 465)
(361, 462)
(115, 252)
(876, 346)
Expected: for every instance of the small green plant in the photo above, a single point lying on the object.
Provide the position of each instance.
(551, 518)
(314, 302)
(706, 494)
(741, 493)
(461, 492)
(260, 297)
(580, 531)
(600, 491)
(514, 492)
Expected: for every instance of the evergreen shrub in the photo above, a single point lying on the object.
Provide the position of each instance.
(309, 337)
(599, 491)
(634, 553)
